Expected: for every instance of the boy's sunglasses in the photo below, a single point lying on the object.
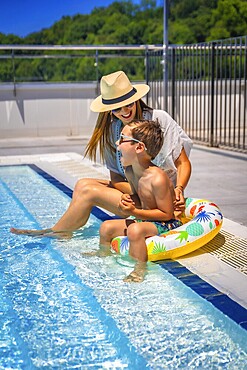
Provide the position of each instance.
(126, 106)
(128, 140)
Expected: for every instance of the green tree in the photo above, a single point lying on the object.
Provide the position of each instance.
(229, 19)
(181, 33)
(122, 23)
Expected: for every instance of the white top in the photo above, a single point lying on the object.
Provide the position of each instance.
(175, 139)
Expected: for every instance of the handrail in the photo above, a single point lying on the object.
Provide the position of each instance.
(81, 47)
(117, 47)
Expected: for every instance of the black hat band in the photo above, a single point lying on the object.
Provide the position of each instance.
(120, 98)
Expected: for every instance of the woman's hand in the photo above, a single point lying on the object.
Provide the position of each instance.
(183, 174)
(179, 202)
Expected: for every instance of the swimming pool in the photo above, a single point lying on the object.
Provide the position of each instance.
(63, 310)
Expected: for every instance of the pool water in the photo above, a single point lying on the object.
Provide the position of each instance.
(62, 310)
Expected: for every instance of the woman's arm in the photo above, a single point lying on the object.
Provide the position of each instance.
(183, 175)
(184, 169)
(120, 183)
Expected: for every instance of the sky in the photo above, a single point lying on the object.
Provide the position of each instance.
(22, 17)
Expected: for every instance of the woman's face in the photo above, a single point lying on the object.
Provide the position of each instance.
(126, 114)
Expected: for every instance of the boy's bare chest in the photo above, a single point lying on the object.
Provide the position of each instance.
(144, 191)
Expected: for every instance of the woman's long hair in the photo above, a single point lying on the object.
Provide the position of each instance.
(101, 135)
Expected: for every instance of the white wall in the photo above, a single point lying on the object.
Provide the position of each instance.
(60, 109)
(40, 109)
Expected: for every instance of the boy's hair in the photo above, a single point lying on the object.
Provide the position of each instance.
(150, 133)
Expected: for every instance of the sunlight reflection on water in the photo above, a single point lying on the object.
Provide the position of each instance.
(71, 315)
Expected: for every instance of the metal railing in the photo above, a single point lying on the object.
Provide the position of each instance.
(202, 86)
(70, 63)
(204, 89)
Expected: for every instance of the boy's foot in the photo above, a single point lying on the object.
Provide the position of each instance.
(138, 274)
(134, 277)
(42, 233)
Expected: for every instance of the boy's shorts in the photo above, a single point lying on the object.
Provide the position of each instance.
(163, 226)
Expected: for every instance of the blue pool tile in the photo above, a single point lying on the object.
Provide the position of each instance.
(221, 301)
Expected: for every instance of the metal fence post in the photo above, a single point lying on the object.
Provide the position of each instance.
(173, 68)
(96, 64)
(13, 67)
(212, 95)
(147, 70)
(165, 54)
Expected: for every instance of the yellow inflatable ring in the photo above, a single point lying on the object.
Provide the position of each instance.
(202, 221)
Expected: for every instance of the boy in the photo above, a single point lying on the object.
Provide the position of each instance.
(151, 203)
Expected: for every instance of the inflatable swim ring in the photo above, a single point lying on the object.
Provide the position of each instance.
(202, 221)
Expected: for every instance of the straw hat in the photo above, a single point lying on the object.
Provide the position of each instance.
(116, 92)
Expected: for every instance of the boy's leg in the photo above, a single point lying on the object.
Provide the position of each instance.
(110, 229)
(137, 234)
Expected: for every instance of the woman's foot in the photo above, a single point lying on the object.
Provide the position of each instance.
(101, 252)
(43, 233)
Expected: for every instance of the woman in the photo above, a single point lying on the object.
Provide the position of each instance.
(119, 103)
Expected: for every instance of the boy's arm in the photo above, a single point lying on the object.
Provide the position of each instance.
(129, 201)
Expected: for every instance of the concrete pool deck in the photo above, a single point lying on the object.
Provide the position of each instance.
(218, 175)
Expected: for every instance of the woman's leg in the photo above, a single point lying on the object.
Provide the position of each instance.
(87, 193)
